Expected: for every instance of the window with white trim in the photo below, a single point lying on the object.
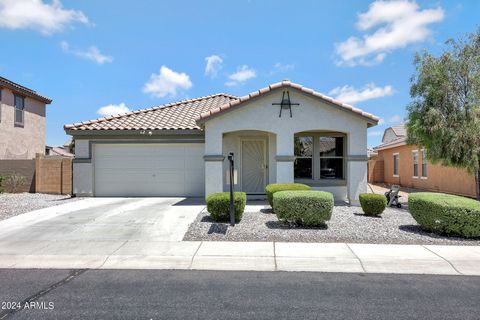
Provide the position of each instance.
(415, 163)
(395, 164)
(19, 109)
(331, 157)
(303, 157)
(424, 163)
(319, 156)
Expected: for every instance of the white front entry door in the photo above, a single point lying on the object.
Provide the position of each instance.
(254, 169)
(149, 169)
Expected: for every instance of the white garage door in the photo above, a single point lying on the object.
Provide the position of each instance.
(149, 169)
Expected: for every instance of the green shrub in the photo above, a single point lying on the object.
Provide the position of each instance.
(274, 187)
(445, 214)
(309, 208)
(373, 204)
(1, 180)
(218, 205)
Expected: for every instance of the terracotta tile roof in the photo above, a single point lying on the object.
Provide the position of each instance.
(400, 141)
(189, 114)
(285, 84)
(58, 151)
(23, 90)
(173, 116)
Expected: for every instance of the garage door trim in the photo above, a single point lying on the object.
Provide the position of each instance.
(94, 144)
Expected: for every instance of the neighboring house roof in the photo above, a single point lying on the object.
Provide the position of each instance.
(67, 143)
(190, 114)
(401, 138)
(400, 130)
(173, 116)
(58, 151)
(371, 152)
(285, 84)
(400, 141)
(23, 90)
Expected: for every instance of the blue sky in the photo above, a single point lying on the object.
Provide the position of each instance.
(95, 57)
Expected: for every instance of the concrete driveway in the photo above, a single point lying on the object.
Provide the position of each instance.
(98, 225)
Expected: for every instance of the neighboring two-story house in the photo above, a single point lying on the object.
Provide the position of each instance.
(22, 121)
(397, 162)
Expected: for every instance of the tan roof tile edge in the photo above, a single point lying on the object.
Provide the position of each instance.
(74, 126)
(24, 90)
(286, 83)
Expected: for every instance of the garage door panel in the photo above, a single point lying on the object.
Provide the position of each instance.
(138, 176)
(126, 165)
(169, 163)
(149, 170)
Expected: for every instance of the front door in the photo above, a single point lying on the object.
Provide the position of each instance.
(254, 168)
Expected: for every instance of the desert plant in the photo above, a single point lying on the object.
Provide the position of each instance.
(1, 183)
(218, 205)
(13, 182)
(445, 214)
(373, 204)
(275, 187)
(303, 207)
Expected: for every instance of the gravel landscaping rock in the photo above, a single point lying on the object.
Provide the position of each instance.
(13, 204)
(348, 224)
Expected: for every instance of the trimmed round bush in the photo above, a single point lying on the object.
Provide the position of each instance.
(445, 214)
(218, 205)
(275, 187)
(373, 204)
(308, 208)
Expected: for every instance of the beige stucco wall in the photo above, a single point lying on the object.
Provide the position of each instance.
(232, 143)
(439, 178)
(21, 142)
(311, 115)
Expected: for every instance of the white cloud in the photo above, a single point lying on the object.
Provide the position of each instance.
(92, 53)
(242, 74)
(213, 66)
(113, 109)
(47, 18)
(282, 68)
(398, 23)
(381, 121)
(166, 83)
(375, 133)
(349, 94)
(395, 119)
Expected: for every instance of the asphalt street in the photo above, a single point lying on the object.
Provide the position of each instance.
(157, 294)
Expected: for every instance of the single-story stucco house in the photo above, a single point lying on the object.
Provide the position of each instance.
(279, 134)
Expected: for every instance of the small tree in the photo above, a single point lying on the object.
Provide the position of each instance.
(14, 182)
(444, 115)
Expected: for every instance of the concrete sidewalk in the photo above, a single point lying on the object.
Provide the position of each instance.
(251, 256)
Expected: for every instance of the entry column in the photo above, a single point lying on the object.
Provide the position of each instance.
(285, 157)
(213, 161)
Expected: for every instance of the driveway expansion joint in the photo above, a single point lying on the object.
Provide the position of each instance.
(112, 253)
(358, 258)
(194, 255)
(275, 256)
(451, 264)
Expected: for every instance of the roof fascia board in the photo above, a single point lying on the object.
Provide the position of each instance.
(134, 133)
(398, 144)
